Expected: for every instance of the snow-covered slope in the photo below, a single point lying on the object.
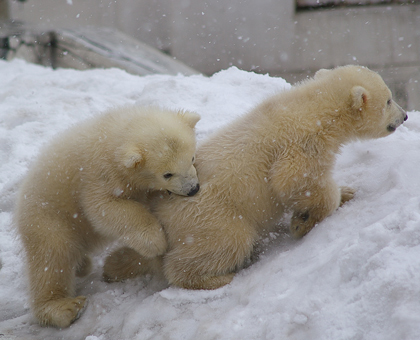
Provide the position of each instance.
(355, 276)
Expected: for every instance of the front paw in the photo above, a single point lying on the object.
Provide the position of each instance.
(347, 194)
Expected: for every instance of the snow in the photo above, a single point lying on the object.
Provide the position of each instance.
(355, 276)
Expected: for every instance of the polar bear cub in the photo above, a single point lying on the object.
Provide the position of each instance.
(277, 158)
(87, 188)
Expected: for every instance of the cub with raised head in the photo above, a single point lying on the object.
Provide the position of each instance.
(277, 158)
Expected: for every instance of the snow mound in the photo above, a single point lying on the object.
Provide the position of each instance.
(355, 276)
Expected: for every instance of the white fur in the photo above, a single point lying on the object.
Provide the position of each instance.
(276, 158)
(86, 189)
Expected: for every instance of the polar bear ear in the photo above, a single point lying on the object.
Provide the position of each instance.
(133, 160)
(131, 157)
(191, 118)
(359, 96)
(321, 73)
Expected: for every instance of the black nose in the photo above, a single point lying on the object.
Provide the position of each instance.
(194, 190)
(406, 117)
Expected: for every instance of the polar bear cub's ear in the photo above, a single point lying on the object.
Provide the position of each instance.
(359, 96)
(191, 118)
(130, 156)
(321, 73)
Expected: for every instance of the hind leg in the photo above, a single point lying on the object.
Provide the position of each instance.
(52, 264)
(210, 262)
(321, 202)
(125, 263)
(194, 273)
(52, 290)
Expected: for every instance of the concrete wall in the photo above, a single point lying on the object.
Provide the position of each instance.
(4, 9)
(264, 35)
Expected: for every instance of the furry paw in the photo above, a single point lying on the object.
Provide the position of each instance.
(61, 312)
(347, 194)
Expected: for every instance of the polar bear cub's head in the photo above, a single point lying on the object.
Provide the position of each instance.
(372, 110)
(159, 151)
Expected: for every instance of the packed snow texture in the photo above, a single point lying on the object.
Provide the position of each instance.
(355, 276)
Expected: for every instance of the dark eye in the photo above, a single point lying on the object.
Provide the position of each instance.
(193, 159)
(389, 102)
(167, 176)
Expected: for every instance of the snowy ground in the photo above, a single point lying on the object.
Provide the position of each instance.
(355, 276)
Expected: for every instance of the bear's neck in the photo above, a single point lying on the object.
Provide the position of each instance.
(320, 121)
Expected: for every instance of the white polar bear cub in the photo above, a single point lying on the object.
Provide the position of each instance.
(86, 188)
(277, 158)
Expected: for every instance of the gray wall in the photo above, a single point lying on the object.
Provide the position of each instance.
(4, 9)
(264, 35)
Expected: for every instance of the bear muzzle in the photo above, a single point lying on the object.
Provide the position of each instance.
(392, 127)
(194, 190)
